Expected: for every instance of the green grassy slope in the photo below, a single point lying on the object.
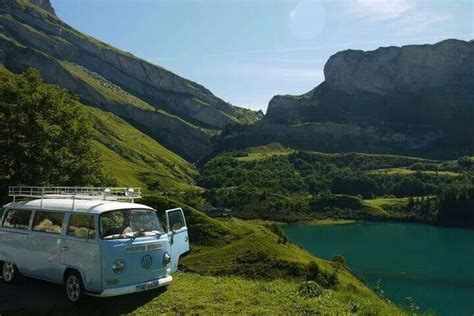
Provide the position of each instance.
(226, 253)
(225, 276)
(387, 203)
(406, 171)
(134, 158)
(114, 93)
(194, 294)
(262, 152)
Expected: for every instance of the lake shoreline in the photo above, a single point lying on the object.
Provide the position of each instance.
(327, 222)
(391, 219)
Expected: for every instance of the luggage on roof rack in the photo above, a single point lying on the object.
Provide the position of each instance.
(83, 193)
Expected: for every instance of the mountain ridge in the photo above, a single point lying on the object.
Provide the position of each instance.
(33, 37)
(381, 73)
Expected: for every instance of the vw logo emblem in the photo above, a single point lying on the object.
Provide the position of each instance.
(147, 261)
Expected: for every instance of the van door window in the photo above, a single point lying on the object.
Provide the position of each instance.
(81, 226)
(48, 222)
(17, 219)
(176, 220)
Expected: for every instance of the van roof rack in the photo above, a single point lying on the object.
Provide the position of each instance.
(79, 193)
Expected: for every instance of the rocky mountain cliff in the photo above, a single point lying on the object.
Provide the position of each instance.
(416, 99)
(179, 113)
(419, 85)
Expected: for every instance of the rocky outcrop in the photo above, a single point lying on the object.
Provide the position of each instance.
(423, 89)
(411, 68)
(423, 85)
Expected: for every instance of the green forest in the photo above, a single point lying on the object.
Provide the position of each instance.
(297, 185)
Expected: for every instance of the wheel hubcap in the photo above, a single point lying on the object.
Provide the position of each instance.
(73, 288)
(8, 271)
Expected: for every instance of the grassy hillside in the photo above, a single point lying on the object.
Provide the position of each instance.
(387, 203)
(262, 152)
(131, 157)
(194, 294)
(406, 171)
(134, 158)
(241, 267)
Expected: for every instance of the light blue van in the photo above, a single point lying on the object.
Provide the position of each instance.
(95, 241)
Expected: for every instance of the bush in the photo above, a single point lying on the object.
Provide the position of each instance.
(262, 266)
(276, 229)
(314, 273)
(341, 262)
(310, 289)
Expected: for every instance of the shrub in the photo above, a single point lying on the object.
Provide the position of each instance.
(313, 271)
(262, 266)
(276, 229)
(310, 289)
(341, 262)
(325, 279)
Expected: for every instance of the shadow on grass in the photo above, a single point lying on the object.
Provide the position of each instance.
(34, 297)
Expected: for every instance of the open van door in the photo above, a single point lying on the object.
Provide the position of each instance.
(177, 234)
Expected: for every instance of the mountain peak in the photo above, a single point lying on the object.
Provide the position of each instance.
(44, 4)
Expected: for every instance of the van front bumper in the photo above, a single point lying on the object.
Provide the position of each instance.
(136, 288)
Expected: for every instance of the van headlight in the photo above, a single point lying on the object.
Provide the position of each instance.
(119, 266)
(166, 258)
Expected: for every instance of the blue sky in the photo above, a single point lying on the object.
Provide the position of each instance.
(245, 52)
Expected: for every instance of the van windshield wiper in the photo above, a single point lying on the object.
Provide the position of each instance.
(116, 236)
(142, 233)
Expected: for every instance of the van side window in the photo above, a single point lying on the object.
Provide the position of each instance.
(81, 226)
(17, 219)
(48, 222)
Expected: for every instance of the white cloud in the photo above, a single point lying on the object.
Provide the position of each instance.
(380, 10)
(404, 17)
(418, 22)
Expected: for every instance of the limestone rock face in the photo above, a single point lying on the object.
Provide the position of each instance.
(407, 68)
(424, 85)
(424, 89)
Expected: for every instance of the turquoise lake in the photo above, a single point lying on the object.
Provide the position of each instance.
(433, 265)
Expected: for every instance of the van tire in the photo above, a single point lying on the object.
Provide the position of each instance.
(10, 272)
(74, 287)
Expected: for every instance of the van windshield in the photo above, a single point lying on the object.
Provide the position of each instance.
(129, 223)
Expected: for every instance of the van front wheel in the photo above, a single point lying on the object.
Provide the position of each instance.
(74, 287)
(9, 272)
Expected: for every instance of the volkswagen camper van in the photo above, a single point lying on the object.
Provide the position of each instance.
(94, 241)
